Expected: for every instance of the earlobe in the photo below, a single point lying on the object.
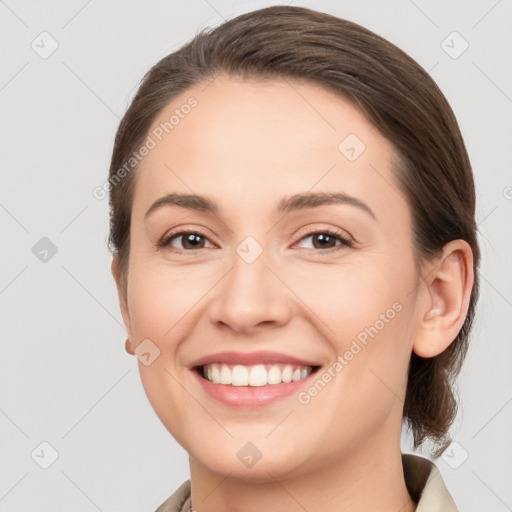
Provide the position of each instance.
(129, 347)
(447, 292)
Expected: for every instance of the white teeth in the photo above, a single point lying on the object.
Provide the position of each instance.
(239, 376)
(256, 375)
(225, 375)
(215, 375)
(286, 375)
(274, 375)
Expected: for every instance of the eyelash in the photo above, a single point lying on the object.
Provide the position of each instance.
(345, 242)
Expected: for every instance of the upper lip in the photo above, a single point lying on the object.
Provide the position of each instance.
(251, 358)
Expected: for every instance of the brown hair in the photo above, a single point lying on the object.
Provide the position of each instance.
(392, 91)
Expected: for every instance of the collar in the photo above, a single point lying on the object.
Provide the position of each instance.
(426, 485)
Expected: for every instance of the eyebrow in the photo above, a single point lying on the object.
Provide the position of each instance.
(286, 205)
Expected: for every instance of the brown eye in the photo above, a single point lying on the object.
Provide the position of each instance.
(324, 241)
(327, 240)
(189, 241)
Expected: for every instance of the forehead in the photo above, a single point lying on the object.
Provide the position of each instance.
(249, 142)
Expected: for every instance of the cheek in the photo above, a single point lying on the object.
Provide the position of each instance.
(160, 298)
(347, 298)
(366, 319)
(366, 315)
(161, 301)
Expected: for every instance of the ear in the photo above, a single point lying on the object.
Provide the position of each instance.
(122, 303)
(446, 295)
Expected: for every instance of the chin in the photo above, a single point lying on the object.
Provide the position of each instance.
(247, 462)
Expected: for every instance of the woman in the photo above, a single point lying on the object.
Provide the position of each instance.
(294, 241)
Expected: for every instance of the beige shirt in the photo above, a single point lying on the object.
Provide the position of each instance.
(422, 478)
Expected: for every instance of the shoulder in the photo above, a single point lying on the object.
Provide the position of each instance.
(175, 502)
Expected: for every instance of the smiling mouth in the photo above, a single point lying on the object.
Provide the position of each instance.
(254, 375)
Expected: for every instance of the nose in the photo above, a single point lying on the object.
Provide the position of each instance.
(251, 297)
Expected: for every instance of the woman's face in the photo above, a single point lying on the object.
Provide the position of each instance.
(266, 274)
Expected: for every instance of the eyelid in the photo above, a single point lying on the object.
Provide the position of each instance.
(308, 231)
(345, 239)
(346, 242)
(182, 230)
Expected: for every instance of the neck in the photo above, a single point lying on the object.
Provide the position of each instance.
(370, 478)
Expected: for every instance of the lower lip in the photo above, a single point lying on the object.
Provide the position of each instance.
(251, 396)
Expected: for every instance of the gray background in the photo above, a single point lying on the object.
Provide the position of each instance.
(65, 377)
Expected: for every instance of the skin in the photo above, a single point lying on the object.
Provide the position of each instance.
(247, 145)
